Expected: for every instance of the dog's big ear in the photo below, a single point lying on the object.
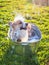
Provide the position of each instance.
(10, 23)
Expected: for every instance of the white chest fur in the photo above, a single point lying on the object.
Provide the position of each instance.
(24, 35)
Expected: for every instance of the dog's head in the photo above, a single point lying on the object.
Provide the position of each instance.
(16, 25)
(20, 35)
(19, 31)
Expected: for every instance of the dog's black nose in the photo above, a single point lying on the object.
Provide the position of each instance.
(18, 40)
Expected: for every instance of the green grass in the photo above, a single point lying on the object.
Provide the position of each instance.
(12, 54)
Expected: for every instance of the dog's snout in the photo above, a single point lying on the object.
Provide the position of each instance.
(18, 40)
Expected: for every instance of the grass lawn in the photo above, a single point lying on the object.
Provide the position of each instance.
(12, 54)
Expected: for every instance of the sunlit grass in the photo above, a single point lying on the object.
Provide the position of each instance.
(32, 13)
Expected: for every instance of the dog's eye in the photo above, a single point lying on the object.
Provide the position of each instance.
(20, 22)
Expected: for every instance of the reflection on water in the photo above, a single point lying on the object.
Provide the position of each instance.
(21, 55)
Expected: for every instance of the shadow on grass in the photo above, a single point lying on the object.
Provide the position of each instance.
(20, 55)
